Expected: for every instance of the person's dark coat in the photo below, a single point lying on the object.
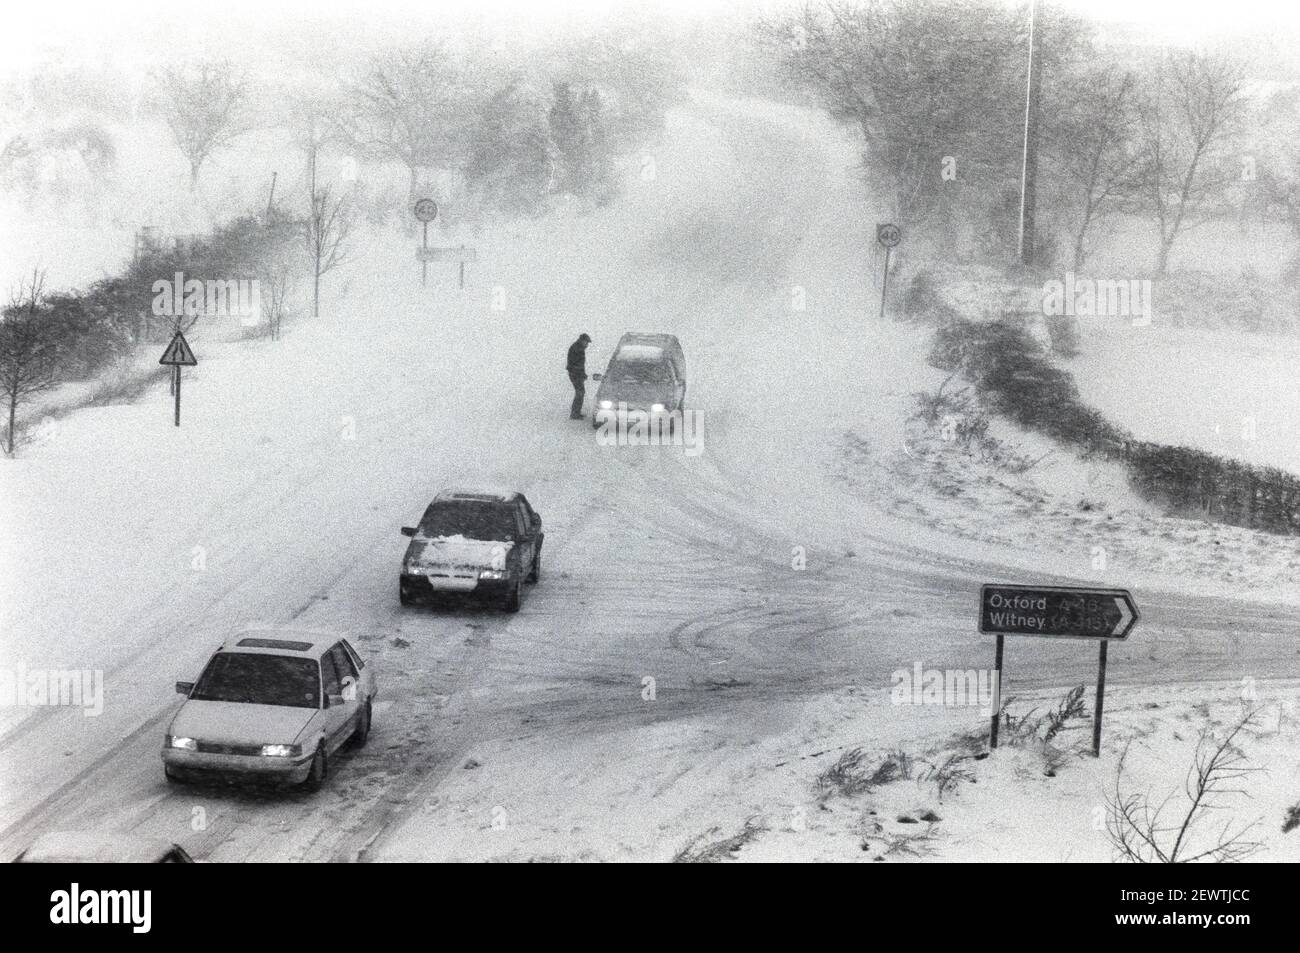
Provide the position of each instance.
(577, 362)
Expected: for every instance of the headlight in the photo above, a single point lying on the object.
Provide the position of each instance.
(606, 404)
(492, 574)
(411, 569)
(656, 408)
(281, 751)
(187, 744)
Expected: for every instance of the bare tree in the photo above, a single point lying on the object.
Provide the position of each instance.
(1187, 112)
(29, 349)
(329, 223)
(409, 107)
(202, 107)
(1146, 833)
(1095, 149)
(936, 89)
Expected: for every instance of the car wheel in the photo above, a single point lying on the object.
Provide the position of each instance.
(363, 727)
(171, 777)
(536, 572)
(319, 771)
(511, 602)
(403, 596)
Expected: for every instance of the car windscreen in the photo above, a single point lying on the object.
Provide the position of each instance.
(640, 372)
(471, 519)
(260, 680)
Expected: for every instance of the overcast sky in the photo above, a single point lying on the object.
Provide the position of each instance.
(115, 32)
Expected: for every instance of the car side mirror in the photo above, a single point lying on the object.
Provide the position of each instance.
(184, 688)
(332, 700)
(408, 530)
(537, 522)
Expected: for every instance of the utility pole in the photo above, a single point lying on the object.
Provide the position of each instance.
(1029, 158)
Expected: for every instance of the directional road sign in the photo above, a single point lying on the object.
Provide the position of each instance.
(1057, 611)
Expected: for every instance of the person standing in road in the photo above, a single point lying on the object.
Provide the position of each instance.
(577, 368)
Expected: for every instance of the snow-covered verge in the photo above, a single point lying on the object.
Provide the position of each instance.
(1047, 499)
(1228, 393)
(852, 776)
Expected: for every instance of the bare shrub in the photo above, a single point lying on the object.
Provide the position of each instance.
(850, 775)
(1071, 707)
(948, 773)
(717, 851)
(1167, 833)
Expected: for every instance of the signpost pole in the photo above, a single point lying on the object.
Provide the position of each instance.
(462, 270)
(888, 235)
(884, 283)
(424, 265)
(178, 353)
(1101, 696)
(997, 695)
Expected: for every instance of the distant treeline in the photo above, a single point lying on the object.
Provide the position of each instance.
(937, 89)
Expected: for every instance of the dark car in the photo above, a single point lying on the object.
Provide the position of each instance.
(476, 544)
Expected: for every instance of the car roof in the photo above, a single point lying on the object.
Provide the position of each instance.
(639, 352)
(274, 640)
(647, 337)
(482, 495)
(97, 847)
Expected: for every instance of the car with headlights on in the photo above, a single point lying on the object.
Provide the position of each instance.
(646, 375)
(271, 704)
(476, 544)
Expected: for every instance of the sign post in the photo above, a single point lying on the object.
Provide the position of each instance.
(889, 236)
(1060, 612)
(426, 210)
(178, 355)
(1101, 698)
(458, 255)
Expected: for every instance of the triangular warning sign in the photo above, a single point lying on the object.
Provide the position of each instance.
(178, 352)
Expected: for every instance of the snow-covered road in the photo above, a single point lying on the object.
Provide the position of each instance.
(281, 497)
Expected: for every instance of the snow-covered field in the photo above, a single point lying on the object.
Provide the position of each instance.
(133, 548)
(1229, 393)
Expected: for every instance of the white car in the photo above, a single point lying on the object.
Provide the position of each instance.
(274, 704)
(84, 847)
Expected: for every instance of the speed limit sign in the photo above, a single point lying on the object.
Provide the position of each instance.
(426, 210)
(888, 235)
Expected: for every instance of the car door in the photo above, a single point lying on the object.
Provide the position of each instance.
(367, 677)
(679, 387)
(526, 542)
(534, 522)
(339, 714)
(350, 677)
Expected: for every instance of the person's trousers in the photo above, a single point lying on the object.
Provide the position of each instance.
(579, 394)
